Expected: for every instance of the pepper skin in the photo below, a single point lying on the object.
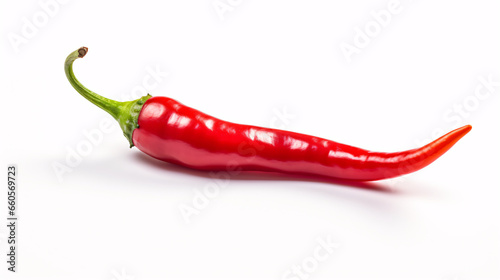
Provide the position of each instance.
(170, 131)
(173, 132)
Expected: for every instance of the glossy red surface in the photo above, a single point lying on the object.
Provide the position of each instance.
(173, 132)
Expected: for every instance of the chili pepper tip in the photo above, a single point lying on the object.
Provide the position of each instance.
(82, 51)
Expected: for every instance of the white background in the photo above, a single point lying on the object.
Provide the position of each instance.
(117, 214)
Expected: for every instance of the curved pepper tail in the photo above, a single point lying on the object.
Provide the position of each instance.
(416, 159)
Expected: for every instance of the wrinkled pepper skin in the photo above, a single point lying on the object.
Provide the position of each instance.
(175, 133)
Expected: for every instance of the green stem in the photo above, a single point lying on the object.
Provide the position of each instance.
(126, 113)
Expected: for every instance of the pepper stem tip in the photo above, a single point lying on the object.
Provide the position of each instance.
(82, 51)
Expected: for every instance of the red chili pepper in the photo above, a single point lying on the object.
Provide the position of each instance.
(170, 131)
